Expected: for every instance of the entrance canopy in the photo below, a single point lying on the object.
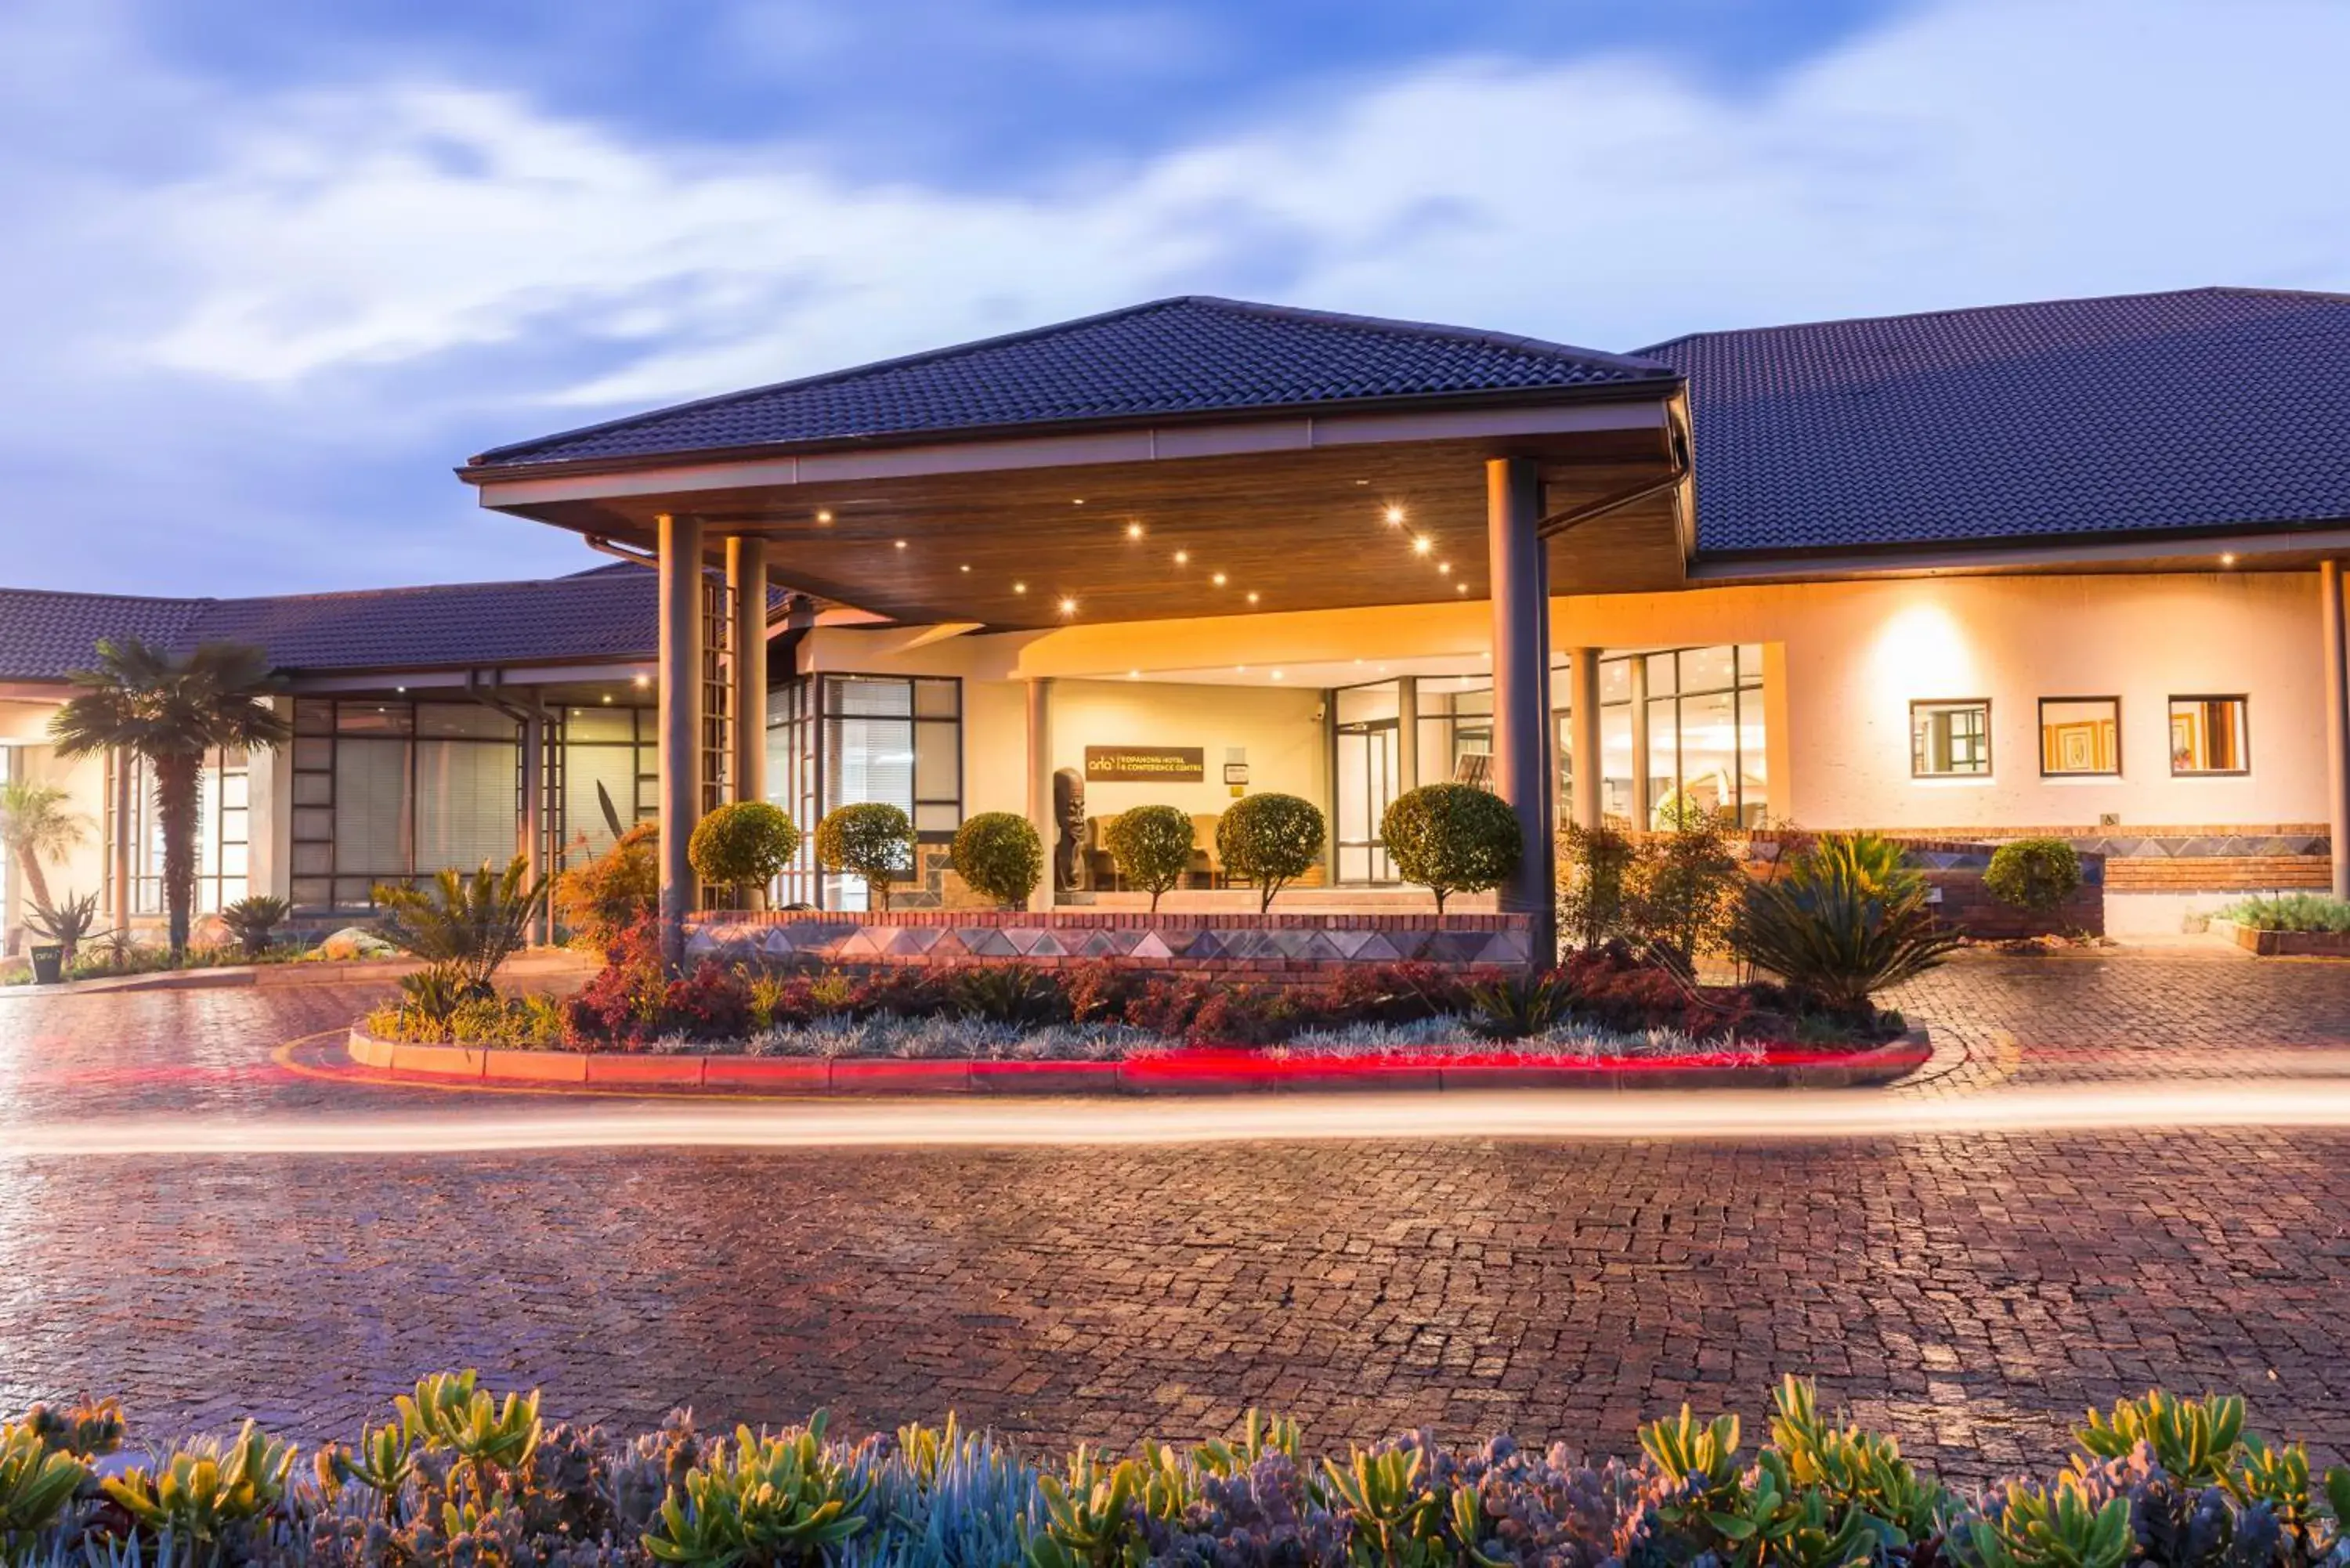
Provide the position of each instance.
(1190, 457)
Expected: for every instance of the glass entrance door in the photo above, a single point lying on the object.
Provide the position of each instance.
(1366, 784)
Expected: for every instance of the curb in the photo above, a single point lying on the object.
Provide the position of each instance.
(298, 972)
(1202, 1072)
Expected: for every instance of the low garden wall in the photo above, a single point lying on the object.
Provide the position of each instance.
(1275, 949)
(1954, 868)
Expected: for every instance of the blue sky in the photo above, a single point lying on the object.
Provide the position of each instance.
(274, 268)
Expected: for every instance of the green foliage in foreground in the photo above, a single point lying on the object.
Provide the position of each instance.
(462, 1477)
(2289, 912)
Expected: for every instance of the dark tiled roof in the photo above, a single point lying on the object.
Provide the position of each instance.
(1185, 356)
(605, 613)
(2208, 407)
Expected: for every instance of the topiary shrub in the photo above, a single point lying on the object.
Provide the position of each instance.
(999, 854)
(1270, 840)
(872, 840)
(2034, 874)
(1152, 846)
(1451, 839)
(743, 845)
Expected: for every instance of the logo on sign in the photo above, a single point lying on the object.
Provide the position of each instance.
(1146, 764)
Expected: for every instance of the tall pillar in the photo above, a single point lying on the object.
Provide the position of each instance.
(126, 818)
(1583, 671)
(2337, 660)
(532, 829)
(1520, 569)
(680, 688)
(746, 575)
(1040, 782)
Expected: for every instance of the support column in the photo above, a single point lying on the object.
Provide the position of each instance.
(1040, 782)
(2337, 660)
(126, 807)
(532, 826)
(746, 575)
(1583, 671)
(1520, 568)
(680, 688)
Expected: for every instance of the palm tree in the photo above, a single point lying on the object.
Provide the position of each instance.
(35, 826)
(172, 709)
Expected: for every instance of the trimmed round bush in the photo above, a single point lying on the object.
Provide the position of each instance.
(1152, 846)
(743, 843)
(1270, 840)
(2035, 874)
(999, 854)
(871, 839)
(1451, 839)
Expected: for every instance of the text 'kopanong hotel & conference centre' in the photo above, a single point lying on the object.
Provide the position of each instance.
(2064, 567)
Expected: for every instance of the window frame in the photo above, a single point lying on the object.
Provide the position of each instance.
(2041, 717)
(1989, 757)
(2243, 702)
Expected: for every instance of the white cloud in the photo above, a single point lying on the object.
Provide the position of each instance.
(1970, 153)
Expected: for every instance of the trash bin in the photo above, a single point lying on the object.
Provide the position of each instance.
(48, 963)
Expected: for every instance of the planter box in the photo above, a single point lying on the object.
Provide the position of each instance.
(2287, 944)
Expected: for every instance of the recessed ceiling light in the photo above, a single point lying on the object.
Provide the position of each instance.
(1183, 557)
(899, 543)
(1460, 588)
(1444, 568)
(1395, 516)
(1240, 669)
(1276, 675)
(1422, 546)
(824, 517)
(1019, 587)
(607, 696)
(2228, 559)
(1134, 530)
(1254, 596)
(1218, 579)
(1076, 501)
(1068, 606)
(1134, 675)
(644, 680)
(964, 567)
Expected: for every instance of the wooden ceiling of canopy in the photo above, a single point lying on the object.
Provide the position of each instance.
(1298, 530)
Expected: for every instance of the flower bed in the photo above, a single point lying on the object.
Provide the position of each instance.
(457, 1476)
(1602, 1003)
(2304, 924)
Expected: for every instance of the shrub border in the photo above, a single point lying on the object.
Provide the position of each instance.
(2288, 944)
(1202, 1071)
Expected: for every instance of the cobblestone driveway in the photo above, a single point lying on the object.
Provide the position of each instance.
(1970, 1292)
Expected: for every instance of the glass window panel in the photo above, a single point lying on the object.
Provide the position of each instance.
(1707, 670)
(1949, 739)
(465, 804)
(938, 698)
(938, 762)
(600, 723)
(1754, 758)
(312, 892)
(1615, 680)
(1710, 771)
(313, 860)
(937, 818)
(314, 825)
(2080, 735)
(1478, 701)
(233, 790)
(232, 861)
(312, 789)
(1664, 766)
(463, 719)
(1361, 704)
(1750, 664)
(1660, 675)
(371, 808)
(371, 718)
(315, 754)
(358, 892)
(1616, 765)
(600, 789)
(858, 696)
(312, 716)
(868, 760)
(2207, 735)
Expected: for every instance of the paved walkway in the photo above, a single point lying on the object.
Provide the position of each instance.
(1972, 1292)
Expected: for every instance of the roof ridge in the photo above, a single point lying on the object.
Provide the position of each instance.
(1983, 310)
(183, 601)
(1476, 335)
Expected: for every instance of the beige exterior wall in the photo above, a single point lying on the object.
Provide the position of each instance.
(1842, 663)
(1278, 730)
(23, 727)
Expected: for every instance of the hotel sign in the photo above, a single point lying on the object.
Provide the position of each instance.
(1146, 764)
